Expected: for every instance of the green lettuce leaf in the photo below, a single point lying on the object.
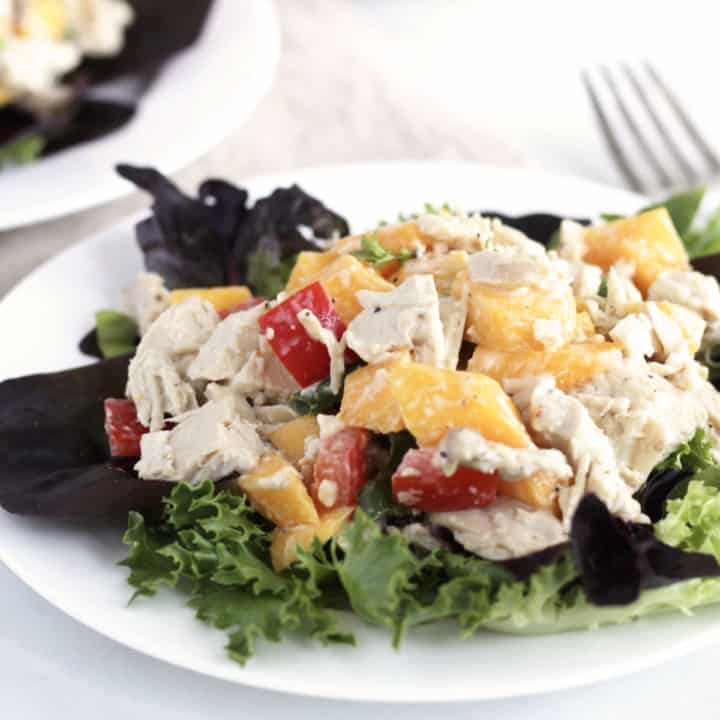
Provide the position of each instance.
(117, 333)
(213, 546)
(693, 455)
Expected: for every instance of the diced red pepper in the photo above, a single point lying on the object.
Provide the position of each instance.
(340, 469)
(307, 360)
(251, 303)
(419, 484)
(123, 428)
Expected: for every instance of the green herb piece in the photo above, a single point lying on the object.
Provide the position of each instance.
(21, 152)
(117, 333)
(603, 288)
(376, 497)
(316, 399)
(371, 251)
(267, 275)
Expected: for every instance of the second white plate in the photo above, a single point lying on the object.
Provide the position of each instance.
(201, 96)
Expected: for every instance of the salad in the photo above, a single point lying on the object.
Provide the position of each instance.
(508, 423)
(58, 59)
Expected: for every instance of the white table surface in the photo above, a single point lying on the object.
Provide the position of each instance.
(378, 80)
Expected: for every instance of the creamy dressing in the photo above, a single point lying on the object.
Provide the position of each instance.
(336, 348)
(470, 449)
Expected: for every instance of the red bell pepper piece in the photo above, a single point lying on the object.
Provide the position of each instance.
(341, 464)
(307, 360)
(123, 428)
(419, 484)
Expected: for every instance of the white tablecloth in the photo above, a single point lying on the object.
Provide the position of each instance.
(378, 80)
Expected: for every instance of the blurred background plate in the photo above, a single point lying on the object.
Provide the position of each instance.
(73, 567)
(201, 96)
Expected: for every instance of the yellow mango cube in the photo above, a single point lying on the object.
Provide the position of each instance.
(277, 491)
(221, 298)
(285, 541)
(368, 401)
(433, 400)
(290, 437)
(571, 365)
(342, 279)
(307, 266)
(505, 319)
(648, 240)
(538, 491)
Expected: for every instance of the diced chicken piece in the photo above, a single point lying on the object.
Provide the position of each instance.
(407, 318)
(586, 279)
(453, 316)
(571, 246)
(506, 529)
(470, 449)
(561, 421)
(208, 444)
(263, 376)
(456, 232)
(693, 290)
(505, 266)
(157, 376)
(146, 299)
(642, 414)
(228, 348)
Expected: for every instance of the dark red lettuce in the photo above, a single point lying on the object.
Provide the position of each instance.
(55, 456)
(618, 559)
(216, 239)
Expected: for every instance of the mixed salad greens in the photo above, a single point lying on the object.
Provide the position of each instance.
(340, 505)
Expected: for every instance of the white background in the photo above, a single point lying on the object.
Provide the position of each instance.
(487, 81)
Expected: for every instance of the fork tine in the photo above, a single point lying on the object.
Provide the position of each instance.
(692, 130)
(688, 171)
(661, 173)
(610, 138)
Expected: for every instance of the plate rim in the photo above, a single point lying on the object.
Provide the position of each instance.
(584, 675)
(268, 28)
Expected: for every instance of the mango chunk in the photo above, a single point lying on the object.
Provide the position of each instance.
(342, 278)
(571, 366)
(648, 240)
(368, 401)
(307, 266)
(290, 438)
(285, 541)
(222, 298)
(538, 491)
(277, 491)
(434, 400)
(507, 319)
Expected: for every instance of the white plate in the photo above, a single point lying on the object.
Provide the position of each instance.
(201, 96)
(40, 323)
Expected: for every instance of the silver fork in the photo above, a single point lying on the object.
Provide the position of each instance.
(653, 141)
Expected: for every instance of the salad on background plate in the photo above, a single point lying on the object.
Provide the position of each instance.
(72, 71)
(505, 422)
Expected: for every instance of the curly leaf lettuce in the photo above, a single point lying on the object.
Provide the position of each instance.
(214, 547)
